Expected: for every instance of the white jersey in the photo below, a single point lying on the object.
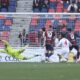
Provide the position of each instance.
(64, 43)
(56, 41)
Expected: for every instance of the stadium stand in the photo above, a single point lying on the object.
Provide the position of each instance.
(20, 22)
(8, 5)
(38, 6)
(24, 5)
(16, 5)
(71, 22)
(56, 5)
(11, 26)
(5, 27)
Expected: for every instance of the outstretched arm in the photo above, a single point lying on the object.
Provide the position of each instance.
(5, 42)
(25, 46)
(22, 49)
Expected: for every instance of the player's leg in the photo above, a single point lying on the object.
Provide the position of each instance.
(65, 55)
(19, 51)
(60, 53)
(78, 53)
(18, 54)
(49, 52)
(26, 58)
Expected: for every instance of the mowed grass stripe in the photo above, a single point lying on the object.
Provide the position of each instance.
(39, 71)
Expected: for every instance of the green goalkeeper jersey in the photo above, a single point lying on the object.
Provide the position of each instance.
(13, 52)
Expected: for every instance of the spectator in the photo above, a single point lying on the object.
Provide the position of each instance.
(5, 4)
(68, 1)
(40, 5)
(24, 36)
(40, 38)
(36, 7)
(78, 3)
(72, 7)
(75, 1)
(27, 40)
(65, 1)
(20, 37)
(45, 5)
(0, 5)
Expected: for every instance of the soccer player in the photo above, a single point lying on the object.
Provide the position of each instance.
(13, 52)
(49, 42)
(64, 45)
(74, 48)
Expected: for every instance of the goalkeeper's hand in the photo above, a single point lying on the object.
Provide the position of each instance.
(26, 46)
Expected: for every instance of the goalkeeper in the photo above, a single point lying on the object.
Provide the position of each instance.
(13, 52)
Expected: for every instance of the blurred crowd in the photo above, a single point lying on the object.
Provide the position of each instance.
(73, 5)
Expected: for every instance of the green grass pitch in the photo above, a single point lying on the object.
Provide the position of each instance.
(39, 71)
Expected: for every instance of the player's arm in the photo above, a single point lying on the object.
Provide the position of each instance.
(70, 44)
(25, 46)
(5, 42)
(59, 44)
(22, 49)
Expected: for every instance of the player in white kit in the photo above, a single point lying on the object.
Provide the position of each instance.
(62, 48)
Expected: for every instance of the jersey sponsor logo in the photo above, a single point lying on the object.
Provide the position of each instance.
(49, 34)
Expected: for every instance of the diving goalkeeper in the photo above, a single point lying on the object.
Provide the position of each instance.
(13, 52)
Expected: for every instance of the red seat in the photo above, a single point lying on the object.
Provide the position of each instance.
(8, 22)
(32, 37)
(48, 22)
(52, 0)
(4, 36)
(65, 10)
(51, 10)
(77, 25)
(72, 17)
(57, 17)
(59, 7)
(5, 33)
(59, 1)
(64, 22)
(34, 21)
(2, 17)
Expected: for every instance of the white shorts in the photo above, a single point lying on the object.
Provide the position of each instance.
(62, 51)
